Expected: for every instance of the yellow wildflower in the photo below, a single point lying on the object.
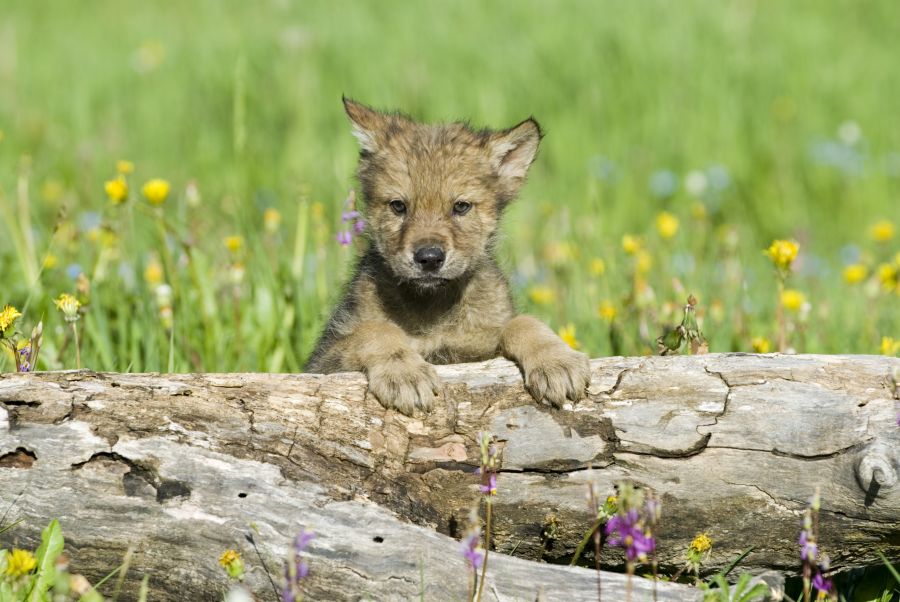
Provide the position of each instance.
(888, 274)
(761, 344)
(889, 346)
(541, 295)
(567, 334)
(317, 209)
(666, 224)
(229, 556)
(792, 299)
(783, 253)
(698, 211)
(69, 306)
(52, 190)
(124, 166)
(701, 543)
(631, 244)
(271, 219)
(234, 243)
(644, 262)
(232, 563)
(116, 189)
(558, 253)
(50, 261)
(19, 563)
(153, 273)
(9, 315)
(607, 311)
(855, 273)
(156, 191)
(882, 231)
(598, 266)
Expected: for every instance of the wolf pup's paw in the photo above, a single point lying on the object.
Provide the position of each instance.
(557, 373)
(405, 383)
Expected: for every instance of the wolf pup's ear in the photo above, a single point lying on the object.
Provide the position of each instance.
(512, 151)
(367, 123)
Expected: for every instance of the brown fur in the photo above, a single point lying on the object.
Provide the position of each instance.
(396, 319)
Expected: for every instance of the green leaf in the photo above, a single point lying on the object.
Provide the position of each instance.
(889, 566)
(50, 549)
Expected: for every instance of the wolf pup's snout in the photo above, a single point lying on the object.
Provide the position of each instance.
(429, 258)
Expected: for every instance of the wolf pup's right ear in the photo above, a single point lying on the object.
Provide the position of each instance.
(367, 123)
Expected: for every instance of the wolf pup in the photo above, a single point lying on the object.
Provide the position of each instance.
(428, 290)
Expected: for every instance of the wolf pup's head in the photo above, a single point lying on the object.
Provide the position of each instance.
(434, 193)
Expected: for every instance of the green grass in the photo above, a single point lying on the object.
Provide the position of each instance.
(244, 99)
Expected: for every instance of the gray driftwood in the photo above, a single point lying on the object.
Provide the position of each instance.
(180, 465)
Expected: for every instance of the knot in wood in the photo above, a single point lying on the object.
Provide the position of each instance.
(877, 468)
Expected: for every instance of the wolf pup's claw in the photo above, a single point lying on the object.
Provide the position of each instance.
(556, 374)
(405, 383)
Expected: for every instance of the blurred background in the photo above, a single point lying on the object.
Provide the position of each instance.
(682, 138)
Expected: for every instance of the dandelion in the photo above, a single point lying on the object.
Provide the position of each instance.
(889, 346)
(889, 275)
(541, 295)
(7, 317)
(695, 182)
(156, 191)
(50, 261)
(234, 244)
(598, 266)
(231, 561)
(792, 299)
(760, 344)
(124, 167)
(855, 273)
(116, 189)
(666, 224)
(882, 231)
(567, 334)
(69, 307)
(153, 273)
(643, 262)
(607, 311)
(631, 244)
(783, 253)
(19, 563)
(271, 219)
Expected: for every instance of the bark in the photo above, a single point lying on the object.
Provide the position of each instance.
(180, 465)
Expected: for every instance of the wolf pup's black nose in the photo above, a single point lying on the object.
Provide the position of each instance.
(429, 259)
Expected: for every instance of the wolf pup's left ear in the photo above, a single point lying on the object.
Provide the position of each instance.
(367, 123)
(512, 151)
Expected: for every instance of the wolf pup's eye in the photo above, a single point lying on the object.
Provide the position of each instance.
(461, 207)
(398, 206)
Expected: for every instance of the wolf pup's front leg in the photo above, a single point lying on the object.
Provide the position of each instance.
(553, 370)
(398, 375)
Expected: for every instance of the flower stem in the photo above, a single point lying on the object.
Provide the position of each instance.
(779, 316)
(487, 548)
(598, 544)
(77, 346)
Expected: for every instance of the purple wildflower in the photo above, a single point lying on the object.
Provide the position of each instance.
(627, 531)
(24, 357)
(823, 584)
(489, 488)
(808, 548)
(344, 238)
(471, 550)
(296, 568)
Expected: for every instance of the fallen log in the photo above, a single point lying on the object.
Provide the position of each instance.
(180, 465)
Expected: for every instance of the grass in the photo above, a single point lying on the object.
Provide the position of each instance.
(244, 101)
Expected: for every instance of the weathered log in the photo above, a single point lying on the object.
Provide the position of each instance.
(179, 465)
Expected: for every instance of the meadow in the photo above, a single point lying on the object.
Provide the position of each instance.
(695, 134)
